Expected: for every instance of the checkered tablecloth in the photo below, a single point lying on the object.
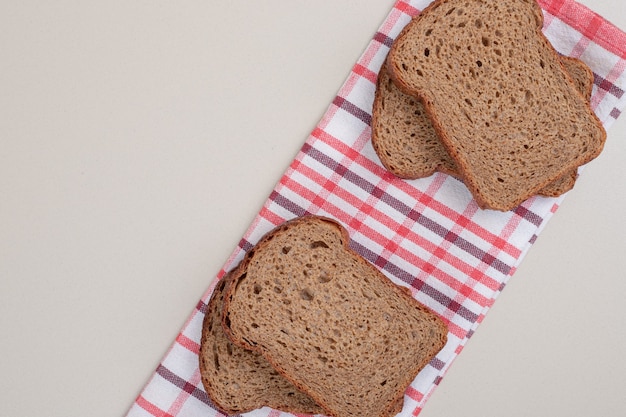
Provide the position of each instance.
(426, 233)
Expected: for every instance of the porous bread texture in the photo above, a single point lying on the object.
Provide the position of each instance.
(329, 321)
(239, 380)
(408, 146)
(498, 96)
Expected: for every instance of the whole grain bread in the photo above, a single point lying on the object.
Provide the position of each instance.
(408, 146)
(499, 99)
(328, 320)
(239, 380)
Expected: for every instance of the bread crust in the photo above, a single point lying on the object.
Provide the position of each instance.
(483, 198)
(394, 403)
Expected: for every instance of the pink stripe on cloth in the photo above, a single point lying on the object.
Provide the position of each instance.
(426, 233)
(589, 24)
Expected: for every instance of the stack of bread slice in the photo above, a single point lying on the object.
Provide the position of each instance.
(304, 324)
(472, 88)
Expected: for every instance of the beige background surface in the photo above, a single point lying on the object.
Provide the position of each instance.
(139, 139)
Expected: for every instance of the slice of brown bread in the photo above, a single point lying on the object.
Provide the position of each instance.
(408, 146)
(499, 98)
(328, 320)
(239, 380)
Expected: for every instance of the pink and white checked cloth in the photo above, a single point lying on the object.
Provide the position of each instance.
(426, 233)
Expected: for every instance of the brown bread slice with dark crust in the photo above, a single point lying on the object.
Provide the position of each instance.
(408, 146)
(239, 380)
(499, 98)
(328, 320)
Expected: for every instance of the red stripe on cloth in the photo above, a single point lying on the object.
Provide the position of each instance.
(554, 208)
(407, 8)
(414, 394)
(151, 408)
(601, 31)
(187, 343)
(365, 73)
(271, 216)
(593, 27)
(454, 329)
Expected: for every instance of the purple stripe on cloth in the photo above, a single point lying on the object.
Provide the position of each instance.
(384, 39)
(528, 215)
(615, 113)
(606, 85)
(181, 383)
(373, 257)
(437, 363)
(245, 245)
(354, 110)
(288, 204)
(201, 307)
